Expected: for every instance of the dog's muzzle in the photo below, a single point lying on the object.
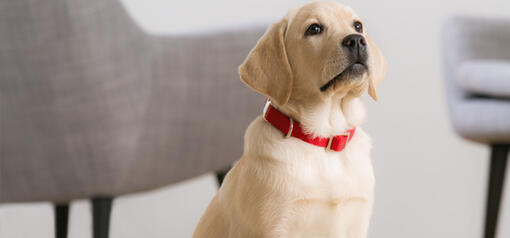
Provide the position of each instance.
(355, 48)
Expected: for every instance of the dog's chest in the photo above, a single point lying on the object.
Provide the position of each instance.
(334, 193)
(332, 176)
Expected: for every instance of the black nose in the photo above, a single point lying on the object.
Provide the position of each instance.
(355, 43)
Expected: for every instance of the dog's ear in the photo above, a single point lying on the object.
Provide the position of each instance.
(267, 69)
(377, 66)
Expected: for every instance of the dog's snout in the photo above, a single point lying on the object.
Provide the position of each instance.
(356, 45)
(355, 42)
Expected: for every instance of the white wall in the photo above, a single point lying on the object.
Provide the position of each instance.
(430, 183)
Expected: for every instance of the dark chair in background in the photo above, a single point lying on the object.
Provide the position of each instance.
(93, 107)
(477, 78)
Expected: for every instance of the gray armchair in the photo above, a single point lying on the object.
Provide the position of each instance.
(477, 78)
(93, 107)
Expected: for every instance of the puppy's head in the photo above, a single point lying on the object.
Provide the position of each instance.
(316, 51)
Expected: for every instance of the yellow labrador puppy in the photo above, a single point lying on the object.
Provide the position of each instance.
(306, 169)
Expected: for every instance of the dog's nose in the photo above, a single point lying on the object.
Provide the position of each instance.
(355, 42)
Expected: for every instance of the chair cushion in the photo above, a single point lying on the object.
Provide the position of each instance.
(485, 77)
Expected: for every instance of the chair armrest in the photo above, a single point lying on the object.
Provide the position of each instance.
(490, 78)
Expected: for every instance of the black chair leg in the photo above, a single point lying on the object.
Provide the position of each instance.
(220, 175)
(61, 219)
(499, 157)
(101, 209)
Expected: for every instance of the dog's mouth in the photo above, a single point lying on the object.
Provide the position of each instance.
(354, 70)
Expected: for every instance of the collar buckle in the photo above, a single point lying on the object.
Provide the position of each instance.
(331, 138)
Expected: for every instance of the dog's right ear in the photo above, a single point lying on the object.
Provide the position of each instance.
(267, 69)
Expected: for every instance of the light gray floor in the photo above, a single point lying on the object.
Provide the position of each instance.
(429, 182)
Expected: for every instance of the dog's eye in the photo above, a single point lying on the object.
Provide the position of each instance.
(313, 29)
(358, 26)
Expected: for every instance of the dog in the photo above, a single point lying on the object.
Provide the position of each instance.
(306, 169)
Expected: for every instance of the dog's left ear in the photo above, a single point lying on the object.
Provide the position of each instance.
(377, 68)
(267, 69)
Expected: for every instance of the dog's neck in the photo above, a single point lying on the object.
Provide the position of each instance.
(331, 117)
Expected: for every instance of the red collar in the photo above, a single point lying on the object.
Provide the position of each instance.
(289, 127)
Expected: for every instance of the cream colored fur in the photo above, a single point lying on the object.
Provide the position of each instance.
(284, 187)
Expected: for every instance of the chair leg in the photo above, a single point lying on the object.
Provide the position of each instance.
(61, 219)
(499, 157)
(101, 209)
(220, 175)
